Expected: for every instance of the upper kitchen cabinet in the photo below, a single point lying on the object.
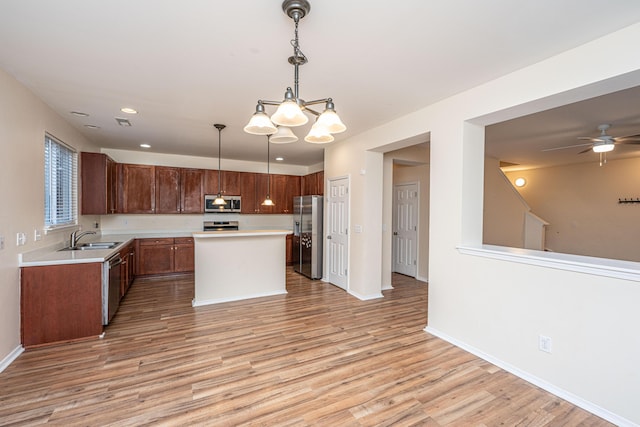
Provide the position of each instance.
(138, 188)
(231, 183)
(283, 189)
(179, 190)
(98, 180)
(313, 184)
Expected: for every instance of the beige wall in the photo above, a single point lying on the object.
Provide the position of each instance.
(24, 119)
(504, 209)
(580, 202)
(498, 306)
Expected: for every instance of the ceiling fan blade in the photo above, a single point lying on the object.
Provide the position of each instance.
(586, 151)
(625, 139)
(567, 146)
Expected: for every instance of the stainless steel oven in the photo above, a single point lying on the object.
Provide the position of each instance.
(220, 225)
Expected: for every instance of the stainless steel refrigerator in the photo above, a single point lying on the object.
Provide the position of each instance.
(307, 236)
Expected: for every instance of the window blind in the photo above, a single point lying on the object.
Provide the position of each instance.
(60, 184)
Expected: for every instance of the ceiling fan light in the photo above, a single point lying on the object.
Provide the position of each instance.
(283, 135)
(289, 114)
(603, 147)
(319, 135)
(260, 124)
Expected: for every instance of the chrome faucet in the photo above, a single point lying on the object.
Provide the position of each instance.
(73, 240)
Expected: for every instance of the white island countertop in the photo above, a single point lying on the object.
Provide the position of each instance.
(239, 233)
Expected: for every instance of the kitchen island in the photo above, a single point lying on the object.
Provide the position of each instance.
(235, 265)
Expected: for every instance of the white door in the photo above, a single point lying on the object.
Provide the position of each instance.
(405, 229)
(337, 222)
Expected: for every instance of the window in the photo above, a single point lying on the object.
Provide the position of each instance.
(60, 184)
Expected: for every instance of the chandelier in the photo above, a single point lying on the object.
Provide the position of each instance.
(291, 111)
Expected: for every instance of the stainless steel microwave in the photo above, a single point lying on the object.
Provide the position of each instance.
(232, 204)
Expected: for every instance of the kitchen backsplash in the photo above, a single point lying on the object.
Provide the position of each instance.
(116, 224)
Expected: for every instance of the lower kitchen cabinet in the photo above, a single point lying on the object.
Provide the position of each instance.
(127, 268)
(289, 249)
(60, 303)
(165, 255)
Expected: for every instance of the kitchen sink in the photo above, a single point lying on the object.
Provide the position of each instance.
(90, 246)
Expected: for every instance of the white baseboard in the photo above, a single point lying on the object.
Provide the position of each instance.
(195, 303)
(362, 297)
(563, 394)
(9, 358)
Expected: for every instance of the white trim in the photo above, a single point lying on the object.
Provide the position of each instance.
(626, 270)
(362, 297)
(236, 298)
(545, 385)
(9, 358)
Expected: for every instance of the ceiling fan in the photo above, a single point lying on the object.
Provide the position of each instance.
(602, 143)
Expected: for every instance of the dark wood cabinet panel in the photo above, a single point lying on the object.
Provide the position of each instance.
(313, 184)
(283, 189)
(138, 188)
(98, 181)
(191, 191)
(127, 268)
(184, 256)
(248, 192)
(211, 181)
(179, 190)
(167, 192)
(289, 246)
(231, 183)
(60, 303)
(165, 255)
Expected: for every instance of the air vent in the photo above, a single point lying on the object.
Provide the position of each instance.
(123, 122)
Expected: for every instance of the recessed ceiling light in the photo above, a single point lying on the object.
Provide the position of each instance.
(92, 126)
(128, 110)
(79, 113)
(145, 146)
(279, 159)
(123, 122)
(520, 182)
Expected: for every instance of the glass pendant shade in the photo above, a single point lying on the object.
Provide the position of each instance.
(603, 147)
(219, 200)
(331, 121)
(260, 124)
(318, 135)
(284, 135)
(289, 113)
(268, 201)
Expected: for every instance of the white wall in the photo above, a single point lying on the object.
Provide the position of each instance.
(24, 119)
(497, 307)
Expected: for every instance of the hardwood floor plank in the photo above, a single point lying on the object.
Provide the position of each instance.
(316, 356)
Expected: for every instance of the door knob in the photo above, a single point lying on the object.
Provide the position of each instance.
(395, 233)
(329, 237)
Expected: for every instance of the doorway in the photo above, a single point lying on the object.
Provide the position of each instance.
(337, 231)
(406, 203)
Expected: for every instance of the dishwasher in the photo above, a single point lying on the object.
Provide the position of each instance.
(111, 276)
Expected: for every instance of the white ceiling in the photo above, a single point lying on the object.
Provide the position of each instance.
(185, 65)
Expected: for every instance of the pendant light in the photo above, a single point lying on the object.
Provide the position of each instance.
(267, 200)
(219, 200)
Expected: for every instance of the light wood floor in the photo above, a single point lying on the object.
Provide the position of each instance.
(316, 356)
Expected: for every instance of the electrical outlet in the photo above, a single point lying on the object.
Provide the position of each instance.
(37, 235)
(21, 239)
(544, 344)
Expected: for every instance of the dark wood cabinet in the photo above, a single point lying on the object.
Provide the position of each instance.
(138, 188)
(313, 184)
(127, 268)
(179, 190)
(165, 255)
(289, 249)
(231, 183)
(248, 192)
(283, 189)
(98, 180)
(60, 303)
(184, 256)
